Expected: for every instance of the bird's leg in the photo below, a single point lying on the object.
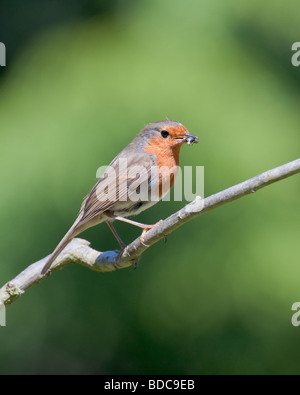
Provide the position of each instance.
(120, 241)
(145, 227)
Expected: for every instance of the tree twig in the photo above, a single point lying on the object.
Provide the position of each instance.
(79, 251)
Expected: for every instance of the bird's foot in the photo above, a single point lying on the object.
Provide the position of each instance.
(119, 256)
(145, 230)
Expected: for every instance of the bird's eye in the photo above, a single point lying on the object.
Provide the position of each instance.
(164, 134)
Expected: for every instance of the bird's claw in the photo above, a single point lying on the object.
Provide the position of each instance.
(142, 237)
(119, 256)
(142, 241)
(145, 230)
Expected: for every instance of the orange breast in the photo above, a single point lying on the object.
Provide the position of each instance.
(167, 161)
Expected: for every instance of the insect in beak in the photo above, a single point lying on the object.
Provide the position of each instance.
(188, 138)
(191, 139)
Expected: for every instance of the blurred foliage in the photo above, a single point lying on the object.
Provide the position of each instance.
(217, 297)
(20, 21)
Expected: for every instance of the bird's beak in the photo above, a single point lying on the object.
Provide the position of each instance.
(188, 138)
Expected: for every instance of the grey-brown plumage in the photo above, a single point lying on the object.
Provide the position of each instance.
(142, 156)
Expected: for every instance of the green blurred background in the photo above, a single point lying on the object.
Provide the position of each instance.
(82, 78)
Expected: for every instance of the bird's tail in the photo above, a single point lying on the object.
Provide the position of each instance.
(72, 232)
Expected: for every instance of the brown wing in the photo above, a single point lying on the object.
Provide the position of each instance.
(116, 186)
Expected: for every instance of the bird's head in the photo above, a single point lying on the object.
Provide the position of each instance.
(168, 134)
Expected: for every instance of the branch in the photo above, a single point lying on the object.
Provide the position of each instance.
(79, 251)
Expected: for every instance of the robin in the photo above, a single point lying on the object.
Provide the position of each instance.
(135, 180)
